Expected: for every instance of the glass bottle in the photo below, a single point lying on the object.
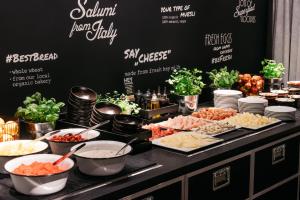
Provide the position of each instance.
(147, 100)
(155, 104)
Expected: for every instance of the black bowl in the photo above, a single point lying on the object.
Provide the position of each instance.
(92, 123)
(78, 119)
(79, 107)
(125, 130)
(118, 131)
(78, 112)
(101, 117)
(95, 119)
(80, 104)
(76, 116)
(106, 110)
(83, 93)
(128, 122)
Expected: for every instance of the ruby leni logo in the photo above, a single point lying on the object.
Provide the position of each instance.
(243, 11)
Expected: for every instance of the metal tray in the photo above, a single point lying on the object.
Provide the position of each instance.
(216, 141)
(264, 126)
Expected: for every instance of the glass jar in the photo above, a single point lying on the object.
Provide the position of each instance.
(9, 128)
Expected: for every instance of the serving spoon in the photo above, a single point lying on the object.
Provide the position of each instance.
(128, 143)
(93, 127)
(67, 155)
(47, 135)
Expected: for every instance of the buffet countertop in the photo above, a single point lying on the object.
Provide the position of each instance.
(168, 165)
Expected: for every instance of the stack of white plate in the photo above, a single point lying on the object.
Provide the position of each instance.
(227, 98)
(255, 105)
(284, 113)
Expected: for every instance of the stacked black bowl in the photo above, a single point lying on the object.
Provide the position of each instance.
(104, 111)
(127, 124)
(80, 105)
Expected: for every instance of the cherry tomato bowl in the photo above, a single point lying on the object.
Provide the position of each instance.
(62, 142)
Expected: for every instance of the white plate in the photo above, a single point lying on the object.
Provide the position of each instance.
(213, 141)
(253, 100)
(279, 92)
(280, 109)
(285, 100)
(294, 83)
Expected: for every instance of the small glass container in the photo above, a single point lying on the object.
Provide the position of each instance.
(147, 100)
(9, 128)
(155, 104)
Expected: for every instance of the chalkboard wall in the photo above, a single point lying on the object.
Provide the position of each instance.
(125, 45)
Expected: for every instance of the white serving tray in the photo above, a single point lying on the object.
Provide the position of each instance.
(214, 141)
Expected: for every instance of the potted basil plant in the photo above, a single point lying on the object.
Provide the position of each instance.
(272, 72)
(39, 114)
(188, 84)
(222, 78)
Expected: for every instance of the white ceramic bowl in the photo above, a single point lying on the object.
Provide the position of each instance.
(38, 147)
(64, 147)
(102, 166)
(39, 185)
(227, 93)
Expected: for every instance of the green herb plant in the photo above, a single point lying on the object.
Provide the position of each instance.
(186, 82)
(127, 106)
(271, 69)
(223, 78)
(38, 109)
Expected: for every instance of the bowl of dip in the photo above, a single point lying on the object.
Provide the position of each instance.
(36, 175)
(98, 158)
(16, 148)
(61, 142)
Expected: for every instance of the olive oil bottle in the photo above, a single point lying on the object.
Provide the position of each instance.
(155, 104)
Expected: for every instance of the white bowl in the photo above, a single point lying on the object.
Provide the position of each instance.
(227, 92)
(39, 185)
(102, 166)
(64, 147)
(38, 147)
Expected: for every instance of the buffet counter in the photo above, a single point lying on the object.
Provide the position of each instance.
(248, 165)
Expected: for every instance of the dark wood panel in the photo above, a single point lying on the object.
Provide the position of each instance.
(172, 191)
(230, 180)
(287, 191)
(276, 163)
